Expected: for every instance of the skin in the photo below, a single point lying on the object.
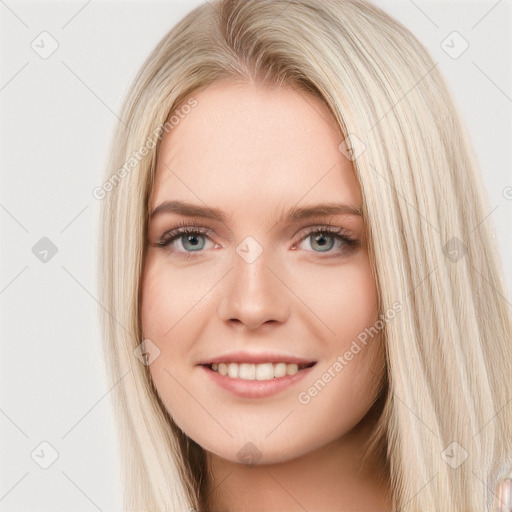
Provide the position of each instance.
(255, 153)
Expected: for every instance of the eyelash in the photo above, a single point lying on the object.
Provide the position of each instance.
(189, 227)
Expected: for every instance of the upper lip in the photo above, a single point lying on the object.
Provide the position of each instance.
(256, 358)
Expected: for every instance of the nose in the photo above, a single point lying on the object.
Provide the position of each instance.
(253, 295)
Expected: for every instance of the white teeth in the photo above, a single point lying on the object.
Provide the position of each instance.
(292, 369)
(233, 370)
(264, 371)
(280, 370)
(249, 371)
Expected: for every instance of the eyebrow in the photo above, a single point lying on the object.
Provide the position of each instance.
(294, 214)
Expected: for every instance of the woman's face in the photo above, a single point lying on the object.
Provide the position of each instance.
(268, 275)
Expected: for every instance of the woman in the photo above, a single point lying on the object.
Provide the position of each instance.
(303, 308)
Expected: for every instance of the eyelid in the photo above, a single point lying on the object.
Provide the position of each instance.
(326, 228)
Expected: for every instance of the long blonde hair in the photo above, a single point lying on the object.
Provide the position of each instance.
(448, 352)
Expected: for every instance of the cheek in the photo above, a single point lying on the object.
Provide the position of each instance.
(157, 304)
(169, 302)
(174, 308)
(170, 296)
(344, 298)
(165, 301)
(347, 382)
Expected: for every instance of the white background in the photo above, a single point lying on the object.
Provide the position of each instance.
(56, 121)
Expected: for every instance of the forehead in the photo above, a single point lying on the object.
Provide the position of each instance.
(248, 146)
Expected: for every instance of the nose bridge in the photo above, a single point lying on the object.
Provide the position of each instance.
(253, 295)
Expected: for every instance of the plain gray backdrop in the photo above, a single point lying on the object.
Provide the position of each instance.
(65, 68)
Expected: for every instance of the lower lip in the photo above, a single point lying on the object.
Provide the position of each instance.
(255, 388)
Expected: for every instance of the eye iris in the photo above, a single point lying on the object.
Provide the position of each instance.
(191, 238)
(320, 239)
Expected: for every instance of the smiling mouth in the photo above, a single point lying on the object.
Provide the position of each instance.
(261, 371)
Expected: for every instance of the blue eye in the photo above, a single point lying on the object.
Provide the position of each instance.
(192, 238)
(320, 239)
(324, 238)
